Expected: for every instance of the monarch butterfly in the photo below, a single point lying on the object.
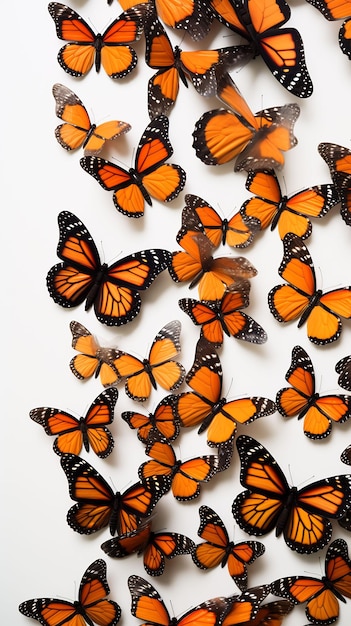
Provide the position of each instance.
(112, 290)
(92, 604)
(257, 141)
(99, 506)
(183, 478)
(155, 547)
(337, 11)
(77, 130)
(218, 550)
(151, 176)
(303, 516)
(300, 298)
(199, 216)
(110, 49)
(321, 595)
(174, 64)
(158, 369)
(224, 316)
(343, 368)
(211, 274)
(272, 613)
(280, 48)
(73, 433)
(205, 406)
(290, 214)
(338, 160)
(148, 605)
(162, 420)
(93, 360)
(301, 399)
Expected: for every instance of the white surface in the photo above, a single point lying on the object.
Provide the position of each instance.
(41, 555)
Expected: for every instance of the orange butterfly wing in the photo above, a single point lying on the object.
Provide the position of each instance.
(162, 420)
(338, 160)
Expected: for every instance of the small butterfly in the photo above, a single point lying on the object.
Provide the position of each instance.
(303, 516)
(289, 214)
(256, 141)
(112, 290)
(93, 360)
(299, 297)
(155, 547)
(322, 595)
(77, 130)
(338, 160)
(88, 431)
(162, 420)
(150, 176)
(92, 604)
(218, 550)
(159, 368)
(110, 49)
(343, 368)
(301, 399)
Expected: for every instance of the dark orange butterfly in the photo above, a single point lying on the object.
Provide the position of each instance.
(182, 477)
(290, 214)
(280, 48)
(110, 49)
(218, 550)
(199, 66)
(338, 160)
(155, 547)
(93, 360)
(302, 516)
(337, 11)
(90, 430)
(256, 141)
(301, 399)
(150, 176)
(205, 405)
(162, 420)
(99, 506)
(92, 604)
(224, 316)
(343, 368)
(299, 297)
(322, 595)
(159, 368)
(199, 216)
(112, 290)
(211, 274)
(77, 130)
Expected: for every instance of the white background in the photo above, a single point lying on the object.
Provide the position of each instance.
(41, 555)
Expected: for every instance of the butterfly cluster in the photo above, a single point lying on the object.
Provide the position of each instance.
(168, 400)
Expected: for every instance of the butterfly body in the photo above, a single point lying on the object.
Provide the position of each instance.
(162, 420)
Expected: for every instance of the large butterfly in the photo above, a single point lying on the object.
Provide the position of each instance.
(162, 420)
(302, 516)
(92, 604)
(150, 176)
(205, 405)
(112, 290)
(280, 48)
(337, 11)
(77, 130)
(212, 275)
(159, 368)
(94, 360)
(199, 216)
(199, 66)
(256, 141)
(182, 477)
(218, 550)
(155, 547)
(301, 399)
(299, 297)
(110, 49)
(99, 506)
(322, 595)
(224, 316)
(338, 160)
(90, 430)
(343, 368)
(291, 214)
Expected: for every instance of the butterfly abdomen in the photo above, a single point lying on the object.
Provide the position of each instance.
(148, 370)
(215, 409)
(308, 310)
(95, 288)
(138, 181)
(178, 65)
(89, 134)
(329, 585)
(84, 431)
(280, 208)
(98, 43)
(310, 402)
(283, 517)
